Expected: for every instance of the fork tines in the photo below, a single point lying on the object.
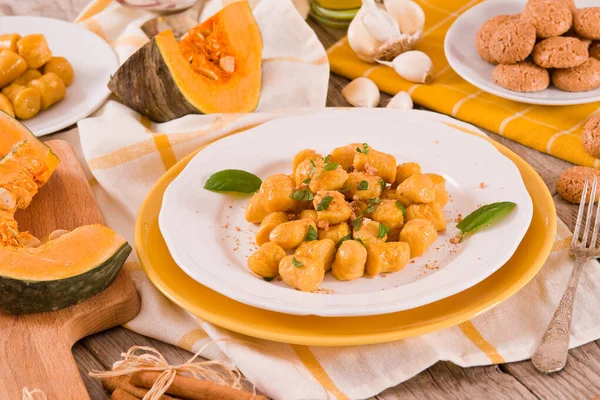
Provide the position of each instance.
(587, 193)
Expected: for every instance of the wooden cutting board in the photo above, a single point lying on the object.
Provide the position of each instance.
(35, 349)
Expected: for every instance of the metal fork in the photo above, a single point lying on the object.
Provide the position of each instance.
(551, 353)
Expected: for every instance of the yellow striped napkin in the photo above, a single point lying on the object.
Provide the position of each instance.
(553, 130)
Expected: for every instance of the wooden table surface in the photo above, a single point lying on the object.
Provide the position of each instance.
(579, 380)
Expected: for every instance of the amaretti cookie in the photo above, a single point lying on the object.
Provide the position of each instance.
(484, 36)
(560, 52)
(549, 17)
(570, 4)
(570, 183)
(524, 76)
(591, 136)
(586, 22)
(595, 50)
(578, 79)
(512, 41)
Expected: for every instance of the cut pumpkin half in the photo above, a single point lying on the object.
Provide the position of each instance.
(214, 68)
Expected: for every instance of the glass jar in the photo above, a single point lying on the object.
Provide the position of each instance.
(334, 13)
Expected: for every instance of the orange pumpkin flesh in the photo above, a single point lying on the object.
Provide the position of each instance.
(166, 79)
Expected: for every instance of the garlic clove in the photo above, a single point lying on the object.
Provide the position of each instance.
(414, 66)
(409, 16)
(401, 100)
(380, 25)
(361, 92)
(360, 40)
(7, 200)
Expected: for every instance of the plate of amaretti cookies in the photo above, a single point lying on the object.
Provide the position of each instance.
(533, 51)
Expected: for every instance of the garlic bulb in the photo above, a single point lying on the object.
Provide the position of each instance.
(361, 92)
(414, 66)
(382, 30)
(401, 100)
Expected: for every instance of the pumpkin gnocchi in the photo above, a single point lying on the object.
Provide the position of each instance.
(354, 212)
(25, 90)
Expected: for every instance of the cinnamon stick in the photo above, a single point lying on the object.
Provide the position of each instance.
(193, 389)
(120, 394)
(113, 383)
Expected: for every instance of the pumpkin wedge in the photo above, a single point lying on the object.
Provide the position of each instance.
(214, 68)
(61, 272)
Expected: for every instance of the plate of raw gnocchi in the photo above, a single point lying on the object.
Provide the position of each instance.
(52, 73)
(343, 217)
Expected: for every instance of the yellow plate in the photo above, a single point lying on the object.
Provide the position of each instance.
(346, 331)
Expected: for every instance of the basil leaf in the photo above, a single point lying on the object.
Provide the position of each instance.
(233, 180)
(383, 185)
(312, 234)
(324, 203)
(363, 185)
(268, 278)
(383, 230)
(296, 262)
(302, 195)
(327, 159)
(306, 181)
(484, 216)
(402, 208)
(342, 240)
(356, 223)
(359, 240)
(330, 166)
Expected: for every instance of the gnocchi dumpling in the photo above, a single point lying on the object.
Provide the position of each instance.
(419, 234)
(345, 155)
(290, 235)
(310, 214)
(432, 212)
(301, 273)
(278, 190)
(350, 260)
(305, 170)
(265, 261)
(322, 251)
(368, 230)
(255, 210)
(335, 232)
(390, 214)
(268, 224)
(377, 163)
(361, 186)
(324, 179)
(406, 170)
(441, 195)
(331, 207)
(386, 257)
(418, 188)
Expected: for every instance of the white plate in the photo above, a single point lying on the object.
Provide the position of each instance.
(462, 55)
(93, 61)
(209, 239)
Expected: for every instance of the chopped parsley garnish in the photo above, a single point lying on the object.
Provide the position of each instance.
(365, 149)
(359, 240)
(312, 234)
(383, 230)
(346, 188)
(363, 185)
(302, 195)
(327, 159)
(296, 262)
(356, 222)
(330, 166)
(312, 169)
(306, 181)
(324, 203)
(401, 207)
(372, 205)
(383, 185)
